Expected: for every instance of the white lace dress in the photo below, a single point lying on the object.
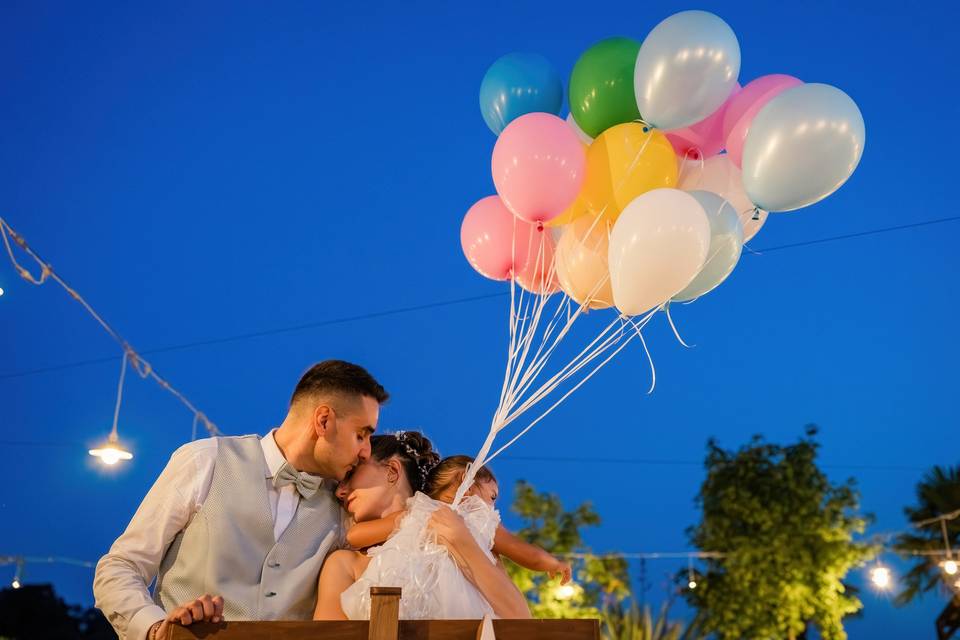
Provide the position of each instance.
(433, 586)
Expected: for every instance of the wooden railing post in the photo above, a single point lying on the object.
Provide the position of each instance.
(384, 613)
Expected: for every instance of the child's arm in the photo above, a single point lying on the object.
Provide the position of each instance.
(529, 556)
(373, 532)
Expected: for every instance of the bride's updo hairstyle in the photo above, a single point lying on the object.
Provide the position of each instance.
(414, 451)
(447, 476)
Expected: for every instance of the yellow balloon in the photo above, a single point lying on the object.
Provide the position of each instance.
(582, 265)
(576, 210)
(623, 162)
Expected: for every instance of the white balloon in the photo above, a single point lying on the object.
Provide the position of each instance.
(584, 138)
(657, 247)
(802, 146)
(726, 243)
(686, 69)
(720, 176)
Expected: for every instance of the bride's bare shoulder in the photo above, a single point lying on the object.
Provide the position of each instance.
(348, 562)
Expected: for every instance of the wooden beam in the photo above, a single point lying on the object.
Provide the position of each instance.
(408, 630)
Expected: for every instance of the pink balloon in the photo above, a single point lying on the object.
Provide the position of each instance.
(538, 166)
(703, 139)
(539, 274)
(746, 105)
(496, 243)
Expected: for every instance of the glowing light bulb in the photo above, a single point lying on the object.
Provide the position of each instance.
(949, 567)
(881, 577)
(15, 584)
(566, 591)
(692, 584)
(1, 291)
(111, 453)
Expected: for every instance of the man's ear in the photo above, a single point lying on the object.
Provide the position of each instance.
(394, 469)
(324, 420)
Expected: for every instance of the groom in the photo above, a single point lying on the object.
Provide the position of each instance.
(236, 528)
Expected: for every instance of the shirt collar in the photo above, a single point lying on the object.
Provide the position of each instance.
(275, 459)
(272, 454)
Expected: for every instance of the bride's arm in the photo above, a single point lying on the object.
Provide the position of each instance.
(336, 575)
(490, 579)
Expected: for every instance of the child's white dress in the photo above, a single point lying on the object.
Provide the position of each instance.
(433, 586)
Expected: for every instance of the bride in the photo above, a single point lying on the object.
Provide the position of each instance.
(454, 577)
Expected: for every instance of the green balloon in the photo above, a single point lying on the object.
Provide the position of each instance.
(601, 86)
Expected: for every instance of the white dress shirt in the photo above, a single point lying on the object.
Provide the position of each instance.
(123, 576)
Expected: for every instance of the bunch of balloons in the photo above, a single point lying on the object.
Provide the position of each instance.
(663, 168)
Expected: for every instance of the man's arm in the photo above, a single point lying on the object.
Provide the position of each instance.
(123, 576)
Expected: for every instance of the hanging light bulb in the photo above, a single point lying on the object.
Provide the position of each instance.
(881, 577)
(1, 291)
(18, 574)
(691, 581)
(111, 453)
(692, 584)
(949, 566)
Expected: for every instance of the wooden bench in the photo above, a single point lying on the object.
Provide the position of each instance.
(384, 625)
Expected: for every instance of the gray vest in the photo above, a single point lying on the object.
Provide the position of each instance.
(228, 548)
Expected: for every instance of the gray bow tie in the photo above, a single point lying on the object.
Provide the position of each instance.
(307, 485)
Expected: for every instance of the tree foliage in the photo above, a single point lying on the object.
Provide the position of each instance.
(599, 582)
(938, 493)
(35, 612)
(787, 538)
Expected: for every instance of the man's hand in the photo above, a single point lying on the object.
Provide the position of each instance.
(206, 607)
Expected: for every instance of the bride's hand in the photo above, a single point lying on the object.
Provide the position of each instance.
(450, 528)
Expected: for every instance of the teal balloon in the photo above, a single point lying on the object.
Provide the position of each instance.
(726, 244)
(802, 146)
(518, 84)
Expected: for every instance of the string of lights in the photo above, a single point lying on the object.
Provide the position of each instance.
(880, 575)
(111, 452)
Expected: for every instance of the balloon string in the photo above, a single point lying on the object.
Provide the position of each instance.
(622, 345)
(653, 369)
(666, 310)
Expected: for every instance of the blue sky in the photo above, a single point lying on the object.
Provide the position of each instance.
(201, 171)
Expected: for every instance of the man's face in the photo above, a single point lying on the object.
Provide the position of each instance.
(346, 442)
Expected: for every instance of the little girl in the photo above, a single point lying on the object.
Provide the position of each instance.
(441, 484)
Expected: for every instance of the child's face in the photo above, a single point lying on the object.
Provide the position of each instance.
(486, 491)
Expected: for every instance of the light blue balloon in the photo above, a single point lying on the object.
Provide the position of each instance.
(686, 69)
(517, 84)
(726, 244)
(802, 146)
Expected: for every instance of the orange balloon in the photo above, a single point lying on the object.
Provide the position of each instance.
(538, 274)
(582, 265)
(625, 161)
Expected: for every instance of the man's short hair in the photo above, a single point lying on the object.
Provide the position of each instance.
(337, 377)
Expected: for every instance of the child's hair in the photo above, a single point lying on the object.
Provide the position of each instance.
(449, 474)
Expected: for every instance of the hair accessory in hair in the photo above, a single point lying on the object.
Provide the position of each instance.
(401, 437)
(426, 466)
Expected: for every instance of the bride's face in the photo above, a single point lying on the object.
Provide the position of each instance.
(368, 492)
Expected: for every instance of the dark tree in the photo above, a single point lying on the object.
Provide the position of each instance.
(35, 612)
